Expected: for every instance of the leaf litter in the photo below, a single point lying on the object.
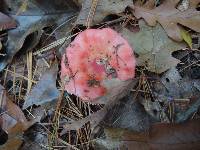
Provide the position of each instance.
(169, 17)
(159, 136)
(6, 22)
(13, 121)
(156, 53)
(45, 90)
(165, 89)
(103, 9)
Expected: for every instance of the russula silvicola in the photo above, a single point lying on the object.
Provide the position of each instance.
(94, 56)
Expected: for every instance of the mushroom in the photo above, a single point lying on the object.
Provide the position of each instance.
(95, 56)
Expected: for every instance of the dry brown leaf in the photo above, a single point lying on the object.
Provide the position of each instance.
(160, 136)
(10, 109)
(13, 121)
(39, 14)
(169, 17)
(6, 22)
(103, 9)
(14, 137)
(153, 47)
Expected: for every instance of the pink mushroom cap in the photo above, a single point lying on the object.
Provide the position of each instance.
(94, 56)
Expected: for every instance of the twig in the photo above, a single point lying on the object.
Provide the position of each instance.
(29, 67)
(54, 44)
(19, 75)
(91, 13)
(194, 63)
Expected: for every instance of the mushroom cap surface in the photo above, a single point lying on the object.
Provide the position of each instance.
(94, 56)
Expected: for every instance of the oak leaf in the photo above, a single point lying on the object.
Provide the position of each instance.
(169, 17)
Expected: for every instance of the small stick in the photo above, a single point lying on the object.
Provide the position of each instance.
(91, 13)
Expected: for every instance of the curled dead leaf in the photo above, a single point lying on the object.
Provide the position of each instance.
(38, 16)
(169, 17)
(6, 22)
(159, 136)
(10, 111)
(13, 121)
(103, 8)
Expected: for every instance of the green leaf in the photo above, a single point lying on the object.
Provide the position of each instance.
(186, 37)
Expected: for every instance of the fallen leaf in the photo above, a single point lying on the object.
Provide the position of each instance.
(6, 22)
(174, 89)
(169, 17)
(109, 100)
(160, 136)
(193, 108)
(35, 138)
(186, 37)
(11, 110)
(15, 137)
(45, 91)
(42, 66)
(153, 47)
(196, 44)
(177, 86)
(127, 113)
(103, 9)
(31, 24)
(12, 121)
(146, 4)
(3, 136)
